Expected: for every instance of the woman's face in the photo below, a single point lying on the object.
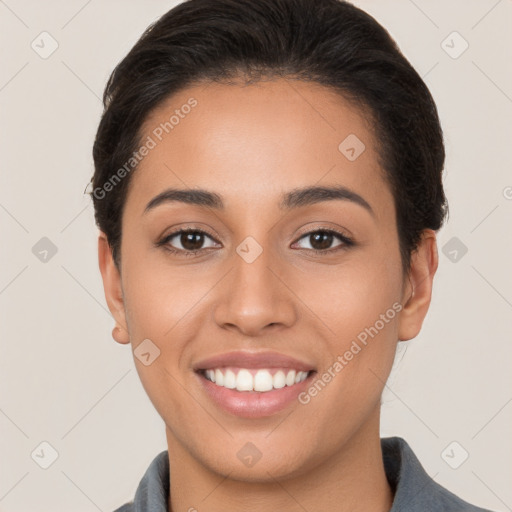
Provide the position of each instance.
(256, 285)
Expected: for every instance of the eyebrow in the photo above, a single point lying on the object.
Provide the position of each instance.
(296, 198)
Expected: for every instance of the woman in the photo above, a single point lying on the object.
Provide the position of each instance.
(268, 186)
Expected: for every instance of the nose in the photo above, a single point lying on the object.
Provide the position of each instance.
(254, 298)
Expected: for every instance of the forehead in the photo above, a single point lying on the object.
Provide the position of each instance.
(257, 141)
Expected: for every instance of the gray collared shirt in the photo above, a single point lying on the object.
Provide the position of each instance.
(414, 490)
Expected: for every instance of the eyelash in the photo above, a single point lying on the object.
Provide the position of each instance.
(346, 241)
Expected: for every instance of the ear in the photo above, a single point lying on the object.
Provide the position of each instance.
(418, 288)
(113, 289)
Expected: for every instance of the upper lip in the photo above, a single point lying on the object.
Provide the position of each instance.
(253, 360)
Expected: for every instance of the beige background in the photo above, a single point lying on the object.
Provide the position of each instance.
(66, 382)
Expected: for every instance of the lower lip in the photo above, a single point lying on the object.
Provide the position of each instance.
(253, 404)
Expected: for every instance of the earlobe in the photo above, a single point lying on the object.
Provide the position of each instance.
(418, 293)
(113, 289)
(120, 335)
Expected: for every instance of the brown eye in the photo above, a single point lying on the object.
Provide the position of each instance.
(322, 240)
(191, 241)
(187, 241)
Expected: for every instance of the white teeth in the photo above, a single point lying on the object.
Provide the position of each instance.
(262, 381)
(244, 381)
(219, 377)
(230, 380)
(290, 378)
(300, 377)
(279, 380)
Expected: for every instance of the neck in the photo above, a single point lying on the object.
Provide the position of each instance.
(352, 479)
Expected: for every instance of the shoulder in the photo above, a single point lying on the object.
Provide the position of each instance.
(127, 507)
(153, 491)
(415, 490)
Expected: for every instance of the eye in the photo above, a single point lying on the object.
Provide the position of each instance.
(188, 242)
(321, 240)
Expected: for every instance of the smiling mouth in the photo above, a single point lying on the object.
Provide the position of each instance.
(259, 380)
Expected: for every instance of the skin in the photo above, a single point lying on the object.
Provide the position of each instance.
(250, 144)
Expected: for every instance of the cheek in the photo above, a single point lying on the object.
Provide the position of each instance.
(347, 298)
(161, 306)
(159, 296)
(357, 307)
